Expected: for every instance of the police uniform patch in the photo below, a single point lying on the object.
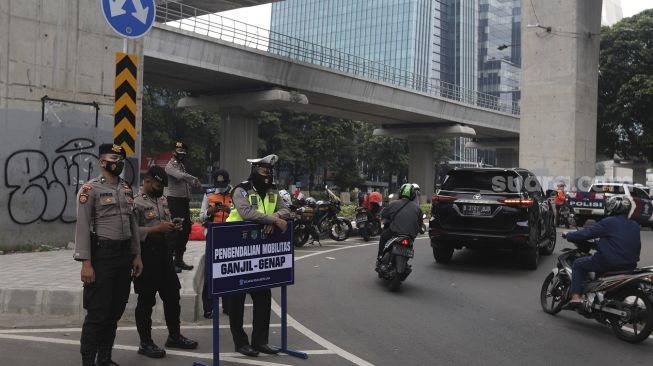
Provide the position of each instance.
(271, 197)
(151, 214)
(83, 198)
(107, 199)
(86, 188)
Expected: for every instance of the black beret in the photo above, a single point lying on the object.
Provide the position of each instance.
(157, 173)
(112, 149)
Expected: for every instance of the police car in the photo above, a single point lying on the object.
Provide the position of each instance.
(590, 205)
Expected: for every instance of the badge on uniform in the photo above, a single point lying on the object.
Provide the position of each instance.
(271, 197)
(107, 200)
(86, 188)
(83, 198)
(150, 214)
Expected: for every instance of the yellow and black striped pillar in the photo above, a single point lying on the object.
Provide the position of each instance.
(124, 109)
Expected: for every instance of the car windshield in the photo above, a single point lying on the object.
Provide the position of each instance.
(482, 181)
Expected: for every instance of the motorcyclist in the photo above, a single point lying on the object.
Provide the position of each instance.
(372, 202)
(559, 201)
(402, 216)
(618, 247)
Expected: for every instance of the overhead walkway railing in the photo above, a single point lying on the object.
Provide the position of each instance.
(202, 22)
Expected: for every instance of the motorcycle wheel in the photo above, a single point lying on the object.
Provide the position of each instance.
(550, 242)
(376, 228)
(365, 234)
(640, 324)
(552, 296)
(300, 237)
(340, 229)
(394, 283)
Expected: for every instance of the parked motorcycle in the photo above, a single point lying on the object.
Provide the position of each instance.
(302, 216)
(368, 224)
(326, 220)
(393, 265)
(623, 300)
(567, 215)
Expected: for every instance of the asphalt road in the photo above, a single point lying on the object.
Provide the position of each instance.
(481, 309)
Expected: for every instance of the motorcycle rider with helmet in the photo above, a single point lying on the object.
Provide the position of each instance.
(618, 247)
(401, 217)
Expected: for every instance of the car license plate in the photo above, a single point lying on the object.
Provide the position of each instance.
(584, 212)
(403, 251)
(477, 210)
(361, 218)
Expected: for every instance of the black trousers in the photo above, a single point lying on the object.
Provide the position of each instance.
(207, 301)
(106, 298)
(386, 235)
(179, 207)
(158, 276)
(262, 302)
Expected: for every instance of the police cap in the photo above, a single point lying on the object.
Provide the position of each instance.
(112, 149)
(181, 145)
(157, 173)
(267, 161)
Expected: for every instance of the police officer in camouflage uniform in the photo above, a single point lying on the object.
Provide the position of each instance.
(155, 227)
(256, 200)
(179, 199)
(107, 244)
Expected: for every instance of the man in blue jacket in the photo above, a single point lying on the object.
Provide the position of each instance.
(618, 248)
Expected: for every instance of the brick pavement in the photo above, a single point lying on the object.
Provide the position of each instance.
(48, 283)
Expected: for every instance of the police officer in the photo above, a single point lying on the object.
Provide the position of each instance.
(154, 224)
(179, 198)
(216, 206)
(107, 244)
(256, 200)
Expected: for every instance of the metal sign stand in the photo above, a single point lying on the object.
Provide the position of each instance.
(216, 312)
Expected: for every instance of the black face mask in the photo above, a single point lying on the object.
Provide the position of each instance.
(261, 182)
(114, 168)
(156, 193)
(180, 157)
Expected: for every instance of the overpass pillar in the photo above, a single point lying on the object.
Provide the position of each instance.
(238, 142)
(639, 175)
(507, 158)
(559, 84)
(421, 169)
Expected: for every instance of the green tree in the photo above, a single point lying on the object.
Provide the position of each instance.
(625, 113)
(164, 123)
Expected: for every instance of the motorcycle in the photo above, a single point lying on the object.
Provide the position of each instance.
(326, 220)
(393, 265)
(302, 217)
(368, 224)
(623, 300)
(567, 215)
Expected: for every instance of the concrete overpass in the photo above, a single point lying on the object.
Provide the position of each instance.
(237, 80)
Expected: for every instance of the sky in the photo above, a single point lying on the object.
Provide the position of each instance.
(260, 15)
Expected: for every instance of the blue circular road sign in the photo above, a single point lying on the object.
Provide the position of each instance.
(129, 18)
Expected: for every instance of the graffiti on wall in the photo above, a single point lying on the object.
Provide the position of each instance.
(43, 185)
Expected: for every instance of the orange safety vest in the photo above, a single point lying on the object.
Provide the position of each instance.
(560, 198)
(225, 199)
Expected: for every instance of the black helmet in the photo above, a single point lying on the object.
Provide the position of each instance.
(310, 202)
(617, 205)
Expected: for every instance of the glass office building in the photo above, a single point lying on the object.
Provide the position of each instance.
(397, 33)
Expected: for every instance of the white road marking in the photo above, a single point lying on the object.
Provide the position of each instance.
(319, 340)
(330, 348)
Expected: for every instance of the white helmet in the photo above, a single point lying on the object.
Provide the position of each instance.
(285, 197)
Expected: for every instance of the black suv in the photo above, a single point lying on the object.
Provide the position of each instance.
(492, 208)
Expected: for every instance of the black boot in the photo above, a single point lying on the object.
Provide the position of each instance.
(150, 349)
(88, 359)
(180, 264)
(104, 357)
(179, 341)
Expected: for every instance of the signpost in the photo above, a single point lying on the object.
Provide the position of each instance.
(241, 258)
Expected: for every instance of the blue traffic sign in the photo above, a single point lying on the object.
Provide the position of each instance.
(129, 18)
